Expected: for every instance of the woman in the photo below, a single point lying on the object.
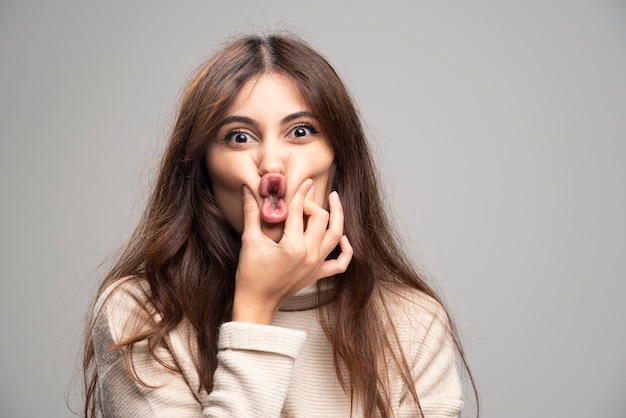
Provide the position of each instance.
(264, 278)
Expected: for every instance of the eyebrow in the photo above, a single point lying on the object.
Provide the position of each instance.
(298, 115)
(250, 121)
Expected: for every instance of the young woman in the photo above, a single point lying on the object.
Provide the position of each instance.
(264, 278)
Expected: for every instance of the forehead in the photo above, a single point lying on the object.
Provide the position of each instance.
(266, 94)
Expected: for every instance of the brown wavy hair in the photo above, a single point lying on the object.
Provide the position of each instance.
(187, 252)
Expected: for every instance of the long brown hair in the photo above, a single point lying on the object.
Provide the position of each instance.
(188, 253)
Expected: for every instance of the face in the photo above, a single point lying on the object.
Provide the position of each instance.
(268, 129)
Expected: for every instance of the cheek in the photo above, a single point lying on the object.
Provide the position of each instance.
(225, 180)
(227, 188)
(321, 170)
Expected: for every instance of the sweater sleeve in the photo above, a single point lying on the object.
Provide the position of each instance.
(253, 374)
(254, 370)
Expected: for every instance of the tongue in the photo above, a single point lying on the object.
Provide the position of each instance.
(274, 209)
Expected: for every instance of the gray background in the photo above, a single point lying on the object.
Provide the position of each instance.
(500, 130)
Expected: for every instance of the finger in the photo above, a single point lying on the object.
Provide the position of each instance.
(251, 214)
(316, 223)
(310, 195)
(294, 224)
(341, 263)
(335, 224)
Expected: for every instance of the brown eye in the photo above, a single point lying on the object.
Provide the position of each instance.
(238, 137)
(302, 131)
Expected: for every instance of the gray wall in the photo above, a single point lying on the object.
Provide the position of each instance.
(499, 127)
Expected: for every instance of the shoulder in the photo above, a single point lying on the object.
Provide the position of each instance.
(125, 291)
(420, 323)
(409, 306)
(131, 369)
(122, 310)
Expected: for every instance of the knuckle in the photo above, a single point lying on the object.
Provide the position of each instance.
(249, 208)
(297, 250)
(311, 258)
(334, 235)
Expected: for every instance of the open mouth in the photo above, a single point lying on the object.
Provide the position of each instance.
(272, 188)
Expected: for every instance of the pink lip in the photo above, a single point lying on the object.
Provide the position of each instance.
(273, 210)
(273, 183)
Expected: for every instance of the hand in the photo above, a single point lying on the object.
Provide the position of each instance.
(270, 272)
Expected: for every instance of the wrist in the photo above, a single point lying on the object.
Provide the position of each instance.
(252, 312)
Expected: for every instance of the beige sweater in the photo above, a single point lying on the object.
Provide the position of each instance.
(284, 370)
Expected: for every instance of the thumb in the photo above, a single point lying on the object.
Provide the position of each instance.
(251, 212)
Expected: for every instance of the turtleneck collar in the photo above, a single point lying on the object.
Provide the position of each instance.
(306, 298)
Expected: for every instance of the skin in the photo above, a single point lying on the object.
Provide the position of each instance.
(269, 129)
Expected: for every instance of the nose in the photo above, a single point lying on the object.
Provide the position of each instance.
(272, 157)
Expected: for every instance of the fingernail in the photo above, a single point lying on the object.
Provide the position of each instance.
(246, 191)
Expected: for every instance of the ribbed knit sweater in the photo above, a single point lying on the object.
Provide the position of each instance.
(282, 370)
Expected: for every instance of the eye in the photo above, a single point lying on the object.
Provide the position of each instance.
(238, 137)
(303, 130)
